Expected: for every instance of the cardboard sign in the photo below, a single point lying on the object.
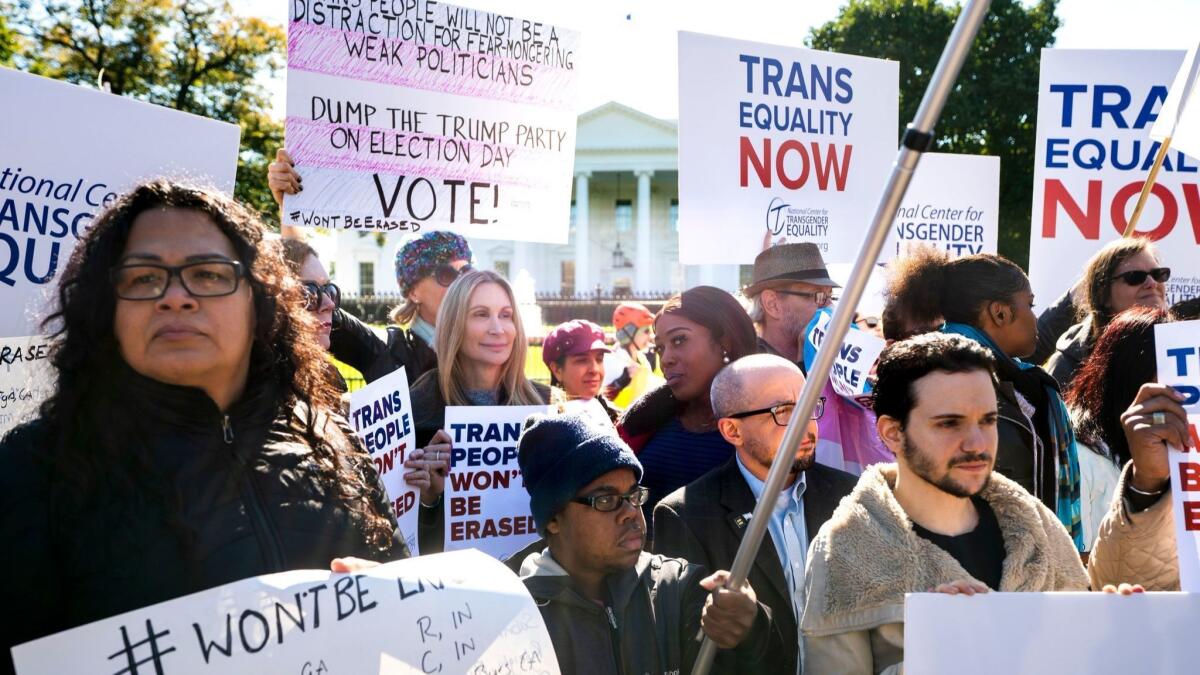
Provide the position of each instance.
(423, 115)
(449, 613)
(487, 506)
(1177, 352)
(952, 203)
(1093, 154)
(1005, 633)
(24, 378)
(381, 414)
(779, 144)
(855, 360)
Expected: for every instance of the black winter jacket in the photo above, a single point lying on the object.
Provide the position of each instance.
(232, 496)
(651, 624)
(354, 343)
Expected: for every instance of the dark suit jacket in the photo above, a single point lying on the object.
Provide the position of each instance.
(703, 522)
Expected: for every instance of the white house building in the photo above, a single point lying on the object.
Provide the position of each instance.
(624, 218)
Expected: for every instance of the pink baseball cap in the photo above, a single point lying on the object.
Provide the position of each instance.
(572, 337)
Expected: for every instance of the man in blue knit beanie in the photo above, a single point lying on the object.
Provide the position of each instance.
(609, 606)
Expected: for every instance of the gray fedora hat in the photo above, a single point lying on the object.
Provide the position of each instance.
(785, 263)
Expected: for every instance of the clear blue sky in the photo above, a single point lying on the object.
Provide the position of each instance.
(633, 60)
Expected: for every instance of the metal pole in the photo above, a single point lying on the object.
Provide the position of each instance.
(917, 140)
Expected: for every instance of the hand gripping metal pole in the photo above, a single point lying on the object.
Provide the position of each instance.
(917, 139)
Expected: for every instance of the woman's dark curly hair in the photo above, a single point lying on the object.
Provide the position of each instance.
(1109, 379)
(91, 439)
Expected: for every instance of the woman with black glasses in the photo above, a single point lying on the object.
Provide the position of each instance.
(1124, 274)
(192, 437)
(425, 268)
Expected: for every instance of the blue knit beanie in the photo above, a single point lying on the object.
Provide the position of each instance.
(559, 455)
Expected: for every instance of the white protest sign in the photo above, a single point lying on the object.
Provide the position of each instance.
(66, 152)
(24, 378)
(420, 115)
(855, 360)
(1093, 154)
(952, 203)
(449, 613)
(590, 408)
(1006, 633)
(381, 414)
(1177, 354)
(1179, 118)
(779, 144)
(487, 506)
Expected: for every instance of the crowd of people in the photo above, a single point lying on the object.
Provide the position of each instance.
(195, 435)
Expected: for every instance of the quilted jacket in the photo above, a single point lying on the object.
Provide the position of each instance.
(1136, 548)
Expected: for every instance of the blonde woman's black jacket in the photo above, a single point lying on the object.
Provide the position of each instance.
(220, 498)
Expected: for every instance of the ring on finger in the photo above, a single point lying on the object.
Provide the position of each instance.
(1158, 418)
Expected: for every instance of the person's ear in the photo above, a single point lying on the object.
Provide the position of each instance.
(769, 300)
(556, 370)
(999, 313)
(891, 432)
(553, 527)
(731, 431)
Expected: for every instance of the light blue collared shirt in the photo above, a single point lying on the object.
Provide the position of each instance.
(788, 533)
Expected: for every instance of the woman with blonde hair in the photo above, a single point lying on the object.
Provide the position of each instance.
(481, 350)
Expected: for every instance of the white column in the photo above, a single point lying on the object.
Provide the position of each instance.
(520, 259)
(644, 274)
(583, 273)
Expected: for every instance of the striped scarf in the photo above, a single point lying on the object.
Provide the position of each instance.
(1069, 503)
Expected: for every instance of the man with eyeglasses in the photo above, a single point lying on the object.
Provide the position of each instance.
(611, 607)
(790, 283)
(704, 522)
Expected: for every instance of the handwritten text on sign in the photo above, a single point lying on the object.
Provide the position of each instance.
(856, 357)
(1177, 351)
(449, 613)
(407, 115)
(487, 506)
(1005, 633)
(381, 413)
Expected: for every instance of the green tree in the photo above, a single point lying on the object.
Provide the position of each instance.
(993, 108)
(9, 40)
(191, 55)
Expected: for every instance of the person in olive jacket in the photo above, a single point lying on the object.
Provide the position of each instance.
(191, 436)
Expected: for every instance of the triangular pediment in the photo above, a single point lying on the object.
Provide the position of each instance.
(614, 126)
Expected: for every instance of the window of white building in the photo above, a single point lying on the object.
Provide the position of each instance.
(624, 215)
(366, 278)
(673, 215)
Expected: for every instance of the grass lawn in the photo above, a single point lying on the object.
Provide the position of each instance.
(534, 369)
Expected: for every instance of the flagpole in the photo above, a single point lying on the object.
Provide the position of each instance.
(1150, 180)
(918, 139)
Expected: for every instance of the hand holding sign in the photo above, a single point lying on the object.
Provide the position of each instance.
(429, 467)
(1156, 421)
(728, 613)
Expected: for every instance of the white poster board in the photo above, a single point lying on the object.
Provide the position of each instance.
(381, 414)
(411, 116)
(66, 152)
(487, 506)
(779, 144)
(856, 357)
(1036, 633)
(952, 203)
(449, 613)
(1177, 354)
(1093, 154)
(24, 378)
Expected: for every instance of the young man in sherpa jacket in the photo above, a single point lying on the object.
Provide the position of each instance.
(939, 519)
(609, 606)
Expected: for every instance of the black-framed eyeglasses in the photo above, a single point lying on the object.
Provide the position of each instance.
(606, 503)
(313, 292)
(148, 281)
(782, 413)
(819, 298)
(1138, 277)
(446, 274)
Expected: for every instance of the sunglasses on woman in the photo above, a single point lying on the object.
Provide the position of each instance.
(446, 274)
(1138, 277)
(313, 292)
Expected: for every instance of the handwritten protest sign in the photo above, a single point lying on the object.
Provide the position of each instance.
(779, 143)
(1177, 352)
(381, 414)
(952, 203)
(24, 378)
(450, 613)
(1093, 153)
(487, 506)
(404, 116)
(1005, 633)
(46, 204)
(855, 360)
